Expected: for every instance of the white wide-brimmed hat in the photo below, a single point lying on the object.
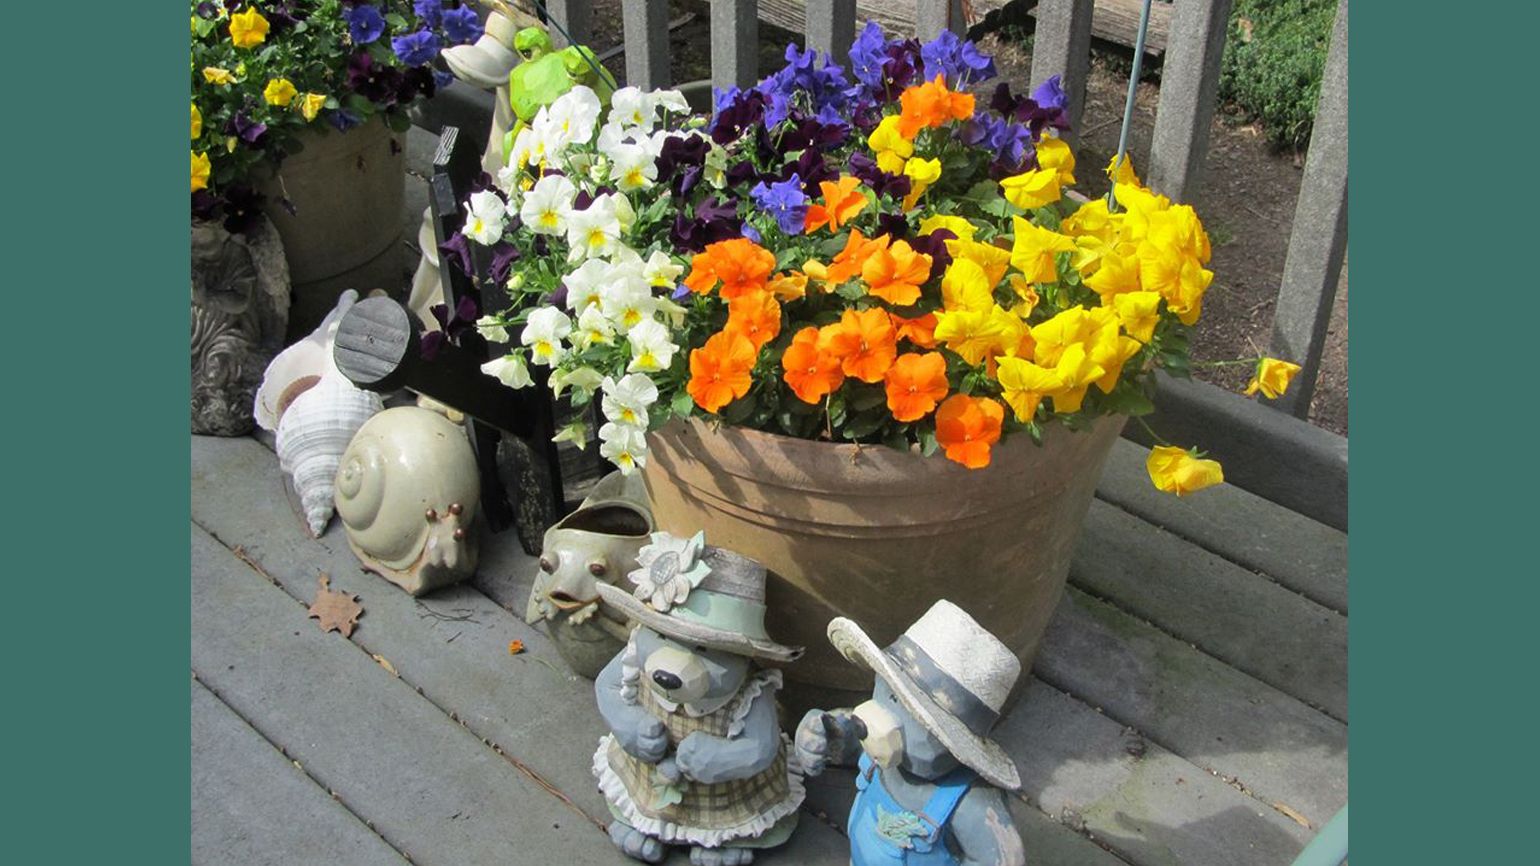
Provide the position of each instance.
(695, 593)
(952, 675)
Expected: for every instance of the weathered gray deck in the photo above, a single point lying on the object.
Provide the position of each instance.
(1189, 700)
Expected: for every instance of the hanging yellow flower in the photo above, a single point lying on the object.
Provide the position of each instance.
(1175, 470)
(200, 171)
(216, 75)
(310, 105)
(279, 91)
(1272, 378)
(197, 122)
(248, 29)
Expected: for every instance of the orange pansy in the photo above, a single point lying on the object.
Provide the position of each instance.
(864, 341)
(895, 273)
(915, 384)
(920, 331)
(931, 104)
(755, 315)
(841, 202)
(740, 264)
(811, 373)
(967, 426)
(719, 370)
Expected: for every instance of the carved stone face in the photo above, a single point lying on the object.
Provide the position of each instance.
(239, 310)
(592, 545)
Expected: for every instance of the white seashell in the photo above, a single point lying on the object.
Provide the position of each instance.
(299, 367)
(312, 435)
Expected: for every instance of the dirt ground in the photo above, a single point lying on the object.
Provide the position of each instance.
(1246, 201)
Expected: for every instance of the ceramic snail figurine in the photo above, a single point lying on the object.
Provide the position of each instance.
(240, 309)
(695, 755)
(407, 492)
(929, 778)
(598, 542)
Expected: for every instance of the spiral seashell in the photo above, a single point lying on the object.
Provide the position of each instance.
(313, 433)
(299, 367)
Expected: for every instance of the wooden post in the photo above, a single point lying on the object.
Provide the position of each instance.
(734, 43)
(933, 16)
(574, 17)
(646, 38)
(1189, 89)
(1062, 46)
(1319, 239)
(831, 27)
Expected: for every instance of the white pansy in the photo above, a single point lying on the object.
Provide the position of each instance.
(675, 313)
(625, 215)
(486, 218)
(660, 271)
(546, 206)
(523, 144)
(585, 284)
(631, 107)
(626, 401)
(509, 180)
(543, 334)
(671, 100)
(491, 329)
(635, 168)
(611, 136)
(576, 433)
(651, 349)
(510, 369)
(582, 381)
(623, 445)
(627, 303)
(592, 328)
(573, 115)
(593, 231)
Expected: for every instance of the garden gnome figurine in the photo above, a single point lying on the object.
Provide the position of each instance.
(696, 756)
(929, 778)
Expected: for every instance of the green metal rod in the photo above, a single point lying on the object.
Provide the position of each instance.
(1128, 105)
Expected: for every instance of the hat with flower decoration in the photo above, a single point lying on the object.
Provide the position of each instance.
(699, 594)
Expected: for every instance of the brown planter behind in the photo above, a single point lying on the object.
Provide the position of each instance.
(348, 190)
(878, 536)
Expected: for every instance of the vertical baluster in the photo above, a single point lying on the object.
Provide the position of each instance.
(572, 16)
(831, 27)
(734, 42)
(1061, 46)
(933, 16)
(1319, 240)
(646, 37)
(1189, 89)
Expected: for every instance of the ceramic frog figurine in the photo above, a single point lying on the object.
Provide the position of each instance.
(929, 781)
(695, 756)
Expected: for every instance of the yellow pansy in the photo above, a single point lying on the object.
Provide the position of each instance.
(788, 287)
(973, 334)
(1139, 312)
(1116, 275)
(1175, 470)
(1178, 277)
(954, 224)
(1111, 355)
(1125, 170)
(200, 171)
(279, 91)
(1053, 154)
(1179, 229)
(1026, 296)
(1024, 385)
(965, 286)
(921, 173)
(1031, 189)
(215, 75)
(991, 258)
(1034, 249)
(310, 105)
(892, 149)
(1076, 370)
(1272, 378)
(197, 121)
(1015, 338)
(248, 29)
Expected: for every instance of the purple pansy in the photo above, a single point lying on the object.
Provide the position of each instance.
(867, 54)
(1050, 94)
(751, 233)
(429, 11)
(246, 129)
(365, 23)
(461, 25)
(785, 201)
(934, 245)
(960, 61)
(416, 49)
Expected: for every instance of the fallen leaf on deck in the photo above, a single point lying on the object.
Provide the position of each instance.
(515, 647)
(337, 611)
(385, 663)
(1297, 818)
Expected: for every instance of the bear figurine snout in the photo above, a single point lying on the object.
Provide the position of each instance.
(666, 680)
(679, 674)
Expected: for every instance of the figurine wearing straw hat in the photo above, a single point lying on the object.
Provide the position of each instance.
(695, 755)
(929, 779)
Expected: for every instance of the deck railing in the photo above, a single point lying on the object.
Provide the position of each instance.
(1062, 45)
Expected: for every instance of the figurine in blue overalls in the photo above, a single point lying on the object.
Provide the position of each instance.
(930, 779)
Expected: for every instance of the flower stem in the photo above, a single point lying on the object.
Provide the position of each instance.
(1159, 440)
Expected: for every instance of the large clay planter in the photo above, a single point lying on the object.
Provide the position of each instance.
(878, 535)
(347, 189)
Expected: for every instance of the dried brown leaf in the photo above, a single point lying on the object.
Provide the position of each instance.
(385, 663)
(1294, 816)
(336, 611)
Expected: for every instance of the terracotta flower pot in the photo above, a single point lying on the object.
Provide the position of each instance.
(878, 535)
(347, 189)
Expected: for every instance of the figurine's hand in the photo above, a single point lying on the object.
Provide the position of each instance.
(694, 754)
(812, 743)
(651, 740)
(668, 768)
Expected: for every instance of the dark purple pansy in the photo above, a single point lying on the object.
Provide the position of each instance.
(343, 119)
(934, 245)
(415, 82)
(894, 225)
(458, 250)
(864, 167)
(504, 255)
(451, 327)
(680, 150)
(714, 220)
(373, 81)
(246, 129)
(242, 205)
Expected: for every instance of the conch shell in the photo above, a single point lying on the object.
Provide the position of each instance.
(408, 492)
(313, 432)
(299, 367)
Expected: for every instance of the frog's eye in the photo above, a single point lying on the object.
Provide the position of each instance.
(597, 569)
(547, 566)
